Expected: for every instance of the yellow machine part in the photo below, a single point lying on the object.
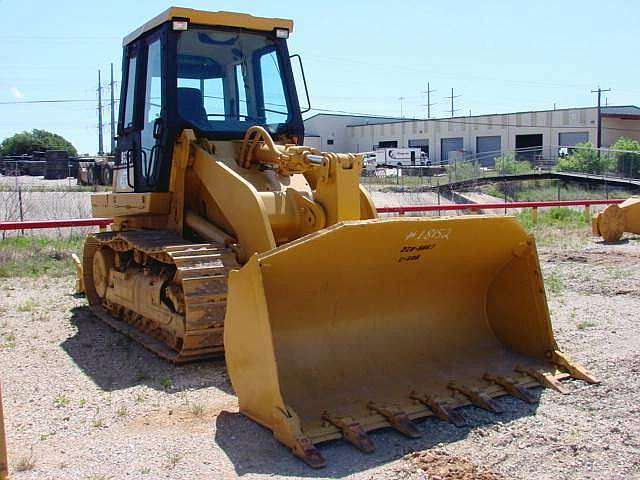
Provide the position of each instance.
(617, 219)
(361, 325)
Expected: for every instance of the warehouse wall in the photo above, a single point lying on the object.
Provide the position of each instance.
(547, 123)
(614, 128)
(331, 130)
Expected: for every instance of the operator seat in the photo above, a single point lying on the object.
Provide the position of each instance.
(191, 105)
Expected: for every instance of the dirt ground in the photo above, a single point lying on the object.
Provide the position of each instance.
(84, 402)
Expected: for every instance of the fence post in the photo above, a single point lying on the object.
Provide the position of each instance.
(587, 213)
(4, 464)
(504, 186)
(20, 205)
(534, 215)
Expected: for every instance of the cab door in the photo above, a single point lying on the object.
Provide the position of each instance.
(143, 146)
(128, 141)
(148, 170)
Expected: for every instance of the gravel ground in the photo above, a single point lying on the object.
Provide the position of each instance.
(83, 402)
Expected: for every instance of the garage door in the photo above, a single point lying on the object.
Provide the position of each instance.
(422, 144)
(487, 149)
(569, 139)
(449, 145)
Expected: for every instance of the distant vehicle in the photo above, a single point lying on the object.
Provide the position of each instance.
(401, 157)
(95, 171)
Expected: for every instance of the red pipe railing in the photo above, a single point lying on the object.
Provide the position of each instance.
(494, 206)
(104, 222)
(71, 222)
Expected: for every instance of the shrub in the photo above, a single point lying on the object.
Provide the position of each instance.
(507, 164)
(586, 159)
(627, 163)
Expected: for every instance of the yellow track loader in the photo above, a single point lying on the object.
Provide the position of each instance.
(230, 236)
(617, 219)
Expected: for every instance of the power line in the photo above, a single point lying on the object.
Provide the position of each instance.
(599, 132)
(100, 141)
(453, 110)
(428, 104)
(24, 102)
(113, 114)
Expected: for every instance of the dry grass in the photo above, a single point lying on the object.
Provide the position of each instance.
(26, 463)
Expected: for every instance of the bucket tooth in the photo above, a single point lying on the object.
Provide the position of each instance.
(397, 419)
(544, 379)
(575, 370)
(352, 432)
(511, 387)
(478, 398)
(440, 409)
(308, 453)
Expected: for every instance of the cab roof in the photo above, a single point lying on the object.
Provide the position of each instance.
(203, 17)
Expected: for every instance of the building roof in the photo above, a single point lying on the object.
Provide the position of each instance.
(621, 111)
(203, 17)
(367, 119)
(613, 111)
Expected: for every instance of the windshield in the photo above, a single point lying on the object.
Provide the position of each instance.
(231, 80)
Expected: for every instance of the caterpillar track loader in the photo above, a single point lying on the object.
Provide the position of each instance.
(230, 236)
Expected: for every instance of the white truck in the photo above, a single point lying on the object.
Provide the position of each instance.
(401, 157)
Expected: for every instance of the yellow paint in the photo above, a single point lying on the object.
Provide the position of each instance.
(617, 219)
(371, 310)
(111, 205)
(238, 200)
(4, 463)
(221, 19)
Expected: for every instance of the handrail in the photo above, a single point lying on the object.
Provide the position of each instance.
(104, 222)
(487, 206)
(71, 222)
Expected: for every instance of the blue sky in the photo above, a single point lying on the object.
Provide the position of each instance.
(359, 56)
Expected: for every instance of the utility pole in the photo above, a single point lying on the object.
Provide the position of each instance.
(452, 96)
(401, 112)
(599, 132)
(113, 113)
(428, 105)
(100, 139)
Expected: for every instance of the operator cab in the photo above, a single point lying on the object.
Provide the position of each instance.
(217, 73)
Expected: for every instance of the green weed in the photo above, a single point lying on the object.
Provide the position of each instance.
(586, 324)
(35, 257)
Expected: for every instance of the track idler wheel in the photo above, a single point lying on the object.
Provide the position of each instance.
(103, 262)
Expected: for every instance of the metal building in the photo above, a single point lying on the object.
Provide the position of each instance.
(531, 135)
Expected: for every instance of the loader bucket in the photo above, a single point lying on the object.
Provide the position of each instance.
(373, 323)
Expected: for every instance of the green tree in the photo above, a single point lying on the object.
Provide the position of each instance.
(585, 159)
(628, 163)
(33, 141)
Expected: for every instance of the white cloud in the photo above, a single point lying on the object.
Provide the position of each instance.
(16, 93)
